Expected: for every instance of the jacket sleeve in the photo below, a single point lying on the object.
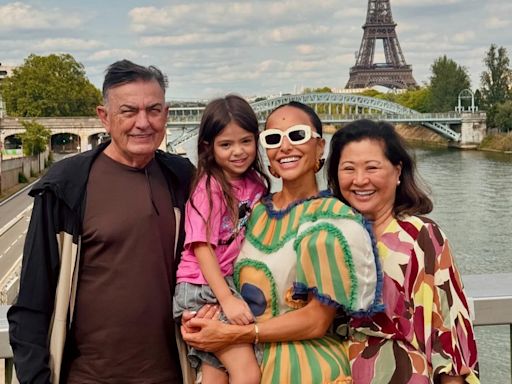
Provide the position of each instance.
(29, 318)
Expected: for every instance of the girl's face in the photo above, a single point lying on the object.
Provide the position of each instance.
(234, 150)
(294, 162)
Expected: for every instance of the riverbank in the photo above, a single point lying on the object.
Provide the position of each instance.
(418, 135)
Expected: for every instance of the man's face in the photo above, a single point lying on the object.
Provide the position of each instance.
(135, 117)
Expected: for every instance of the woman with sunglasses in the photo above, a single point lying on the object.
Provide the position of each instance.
(307, 259)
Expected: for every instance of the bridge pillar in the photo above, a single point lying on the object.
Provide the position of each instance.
(473, 129)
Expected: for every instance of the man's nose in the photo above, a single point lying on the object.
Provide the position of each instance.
(142, 120)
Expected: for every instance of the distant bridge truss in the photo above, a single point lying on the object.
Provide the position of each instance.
(333, 108)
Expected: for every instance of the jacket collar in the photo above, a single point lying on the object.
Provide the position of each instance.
(67, 178)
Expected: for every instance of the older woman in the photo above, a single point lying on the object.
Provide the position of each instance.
(425, 334)
(306, 258)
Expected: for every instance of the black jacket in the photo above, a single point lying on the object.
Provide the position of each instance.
(40, 318)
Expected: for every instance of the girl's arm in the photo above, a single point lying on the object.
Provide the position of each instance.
(309, 322)
(236, 310)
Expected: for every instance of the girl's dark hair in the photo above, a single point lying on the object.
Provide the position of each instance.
(315, 120)
(410, 198)
(216, 116)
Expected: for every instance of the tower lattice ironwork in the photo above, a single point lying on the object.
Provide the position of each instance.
(395, 72)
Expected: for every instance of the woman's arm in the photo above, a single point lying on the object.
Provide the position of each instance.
(236, 310)
(311, 321)
(445, 379)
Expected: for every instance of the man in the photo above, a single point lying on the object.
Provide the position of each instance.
(102, 247)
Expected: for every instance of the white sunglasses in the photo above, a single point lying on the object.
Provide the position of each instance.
(296, 134)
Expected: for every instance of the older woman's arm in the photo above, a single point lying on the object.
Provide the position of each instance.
(309, 322)
(445, 379)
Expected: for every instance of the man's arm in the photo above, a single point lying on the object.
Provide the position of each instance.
(29, 318)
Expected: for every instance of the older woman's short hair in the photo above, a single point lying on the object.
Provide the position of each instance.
(410, 198)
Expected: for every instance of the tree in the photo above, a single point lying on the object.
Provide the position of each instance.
(54, 85)
(496, 80)
(417, 99)
(447, 80)
(35, 138)
(503, 116)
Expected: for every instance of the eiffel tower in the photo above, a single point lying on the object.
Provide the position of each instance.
(395, 73)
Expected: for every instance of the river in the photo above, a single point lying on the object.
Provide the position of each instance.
(472, 194)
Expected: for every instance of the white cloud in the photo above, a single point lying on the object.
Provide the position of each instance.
(305, 49)
(60, 44)
(113, 54)
(191, 39)
(495, 22)
(463, 37)
(420, 3)
(21, 16)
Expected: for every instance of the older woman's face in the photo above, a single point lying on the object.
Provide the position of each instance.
(367, 179)
(290, 161)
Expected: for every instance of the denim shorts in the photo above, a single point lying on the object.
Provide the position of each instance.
(192, 297)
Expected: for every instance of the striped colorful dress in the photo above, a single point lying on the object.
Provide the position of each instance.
(318, 246)
(426, 328)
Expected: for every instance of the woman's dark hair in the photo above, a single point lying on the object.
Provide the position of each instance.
(410, 198)
(315, 120)
(216, 116)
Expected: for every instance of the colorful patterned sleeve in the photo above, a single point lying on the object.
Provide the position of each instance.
(336, 261)
(441, 307)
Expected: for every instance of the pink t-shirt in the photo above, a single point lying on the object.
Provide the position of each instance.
(225, 238)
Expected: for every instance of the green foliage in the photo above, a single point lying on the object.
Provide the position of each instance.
(417, 99)
(496, 80)
(22, 179)
(503, 116)
(53, 85)
(35, 138)
(318, 90)
(447, 80)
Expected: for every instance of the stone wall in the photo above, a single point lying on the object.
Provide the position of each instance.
(28, 166)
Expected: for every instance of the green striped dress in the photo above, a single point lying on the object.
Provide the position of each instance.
(317, 246)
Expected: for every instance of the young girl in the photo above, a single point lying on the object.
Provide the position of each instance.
(229, 181)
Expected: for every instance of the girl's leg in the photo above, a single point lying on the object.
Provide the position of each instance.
(212, 375)
(241, 364)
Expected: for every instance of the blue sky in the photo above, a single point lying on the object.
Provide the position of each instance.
(209, 48)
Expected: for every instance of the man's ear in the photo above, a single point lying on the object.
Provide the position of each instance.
(102, 113)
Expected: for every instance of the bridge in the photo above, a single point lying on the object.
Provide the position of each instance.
(459, 128)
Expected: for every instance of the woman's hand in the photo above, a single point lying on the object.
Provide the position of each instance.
(206, 312)
(212, 335)
(237, 311)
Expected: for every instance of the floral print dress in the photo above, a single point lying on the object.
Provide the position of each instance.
(426, 328)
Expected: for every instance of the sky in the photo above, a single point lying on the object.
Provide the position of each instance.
(253, 48)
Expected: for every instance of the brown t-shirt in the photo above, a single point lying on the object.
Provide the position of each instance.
(123, 331)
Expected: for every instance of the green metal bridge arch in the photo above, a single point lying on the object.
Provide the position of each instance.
(359, 107)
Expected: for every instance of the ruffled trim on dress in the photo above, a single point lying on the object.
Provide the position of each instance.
(378, 305)
(279, 214)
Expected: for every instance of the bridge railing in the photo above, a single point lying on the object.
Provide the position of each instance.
(489, 298)
(448, 117)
